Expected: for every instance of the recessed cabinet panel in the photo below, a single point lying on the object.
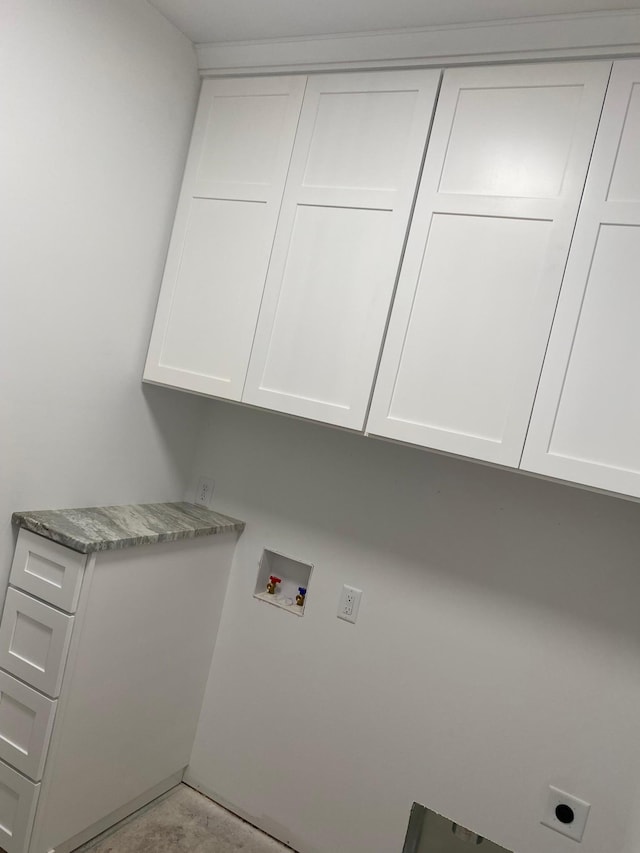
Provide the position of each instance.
(223, 234)
(312, 342)
(26, 719)
(625, 180)
(335, 258)
(34, 640)
(18, 799)
(200, 340)
(586, 419)
(48, 570)
(605, 356)
(31, 640)
(242, 141)
(472, 309)
(489, 239)
(522, 137)
(379, 119)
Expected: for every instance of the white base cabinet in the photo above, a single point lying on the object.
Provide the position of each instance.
(99, 709)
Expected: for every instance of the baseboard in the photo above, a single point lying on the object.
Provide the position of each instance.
(120, 814)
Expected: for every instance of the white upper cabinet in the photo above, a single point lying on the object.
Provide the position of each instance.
(498, 199)
(335, 259)
(586, 420)
(223, 234)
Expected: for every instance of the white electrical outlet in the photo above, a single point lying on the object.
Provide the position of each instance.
(566, 814)
(349, 603)
(204, 491)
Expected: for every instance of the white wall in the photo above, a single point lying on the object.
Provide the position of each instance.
(97, 101)
(497, 648)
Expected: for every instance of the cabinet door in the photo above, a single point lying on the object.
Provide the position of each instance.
(501, 186)
(223, 234)
(335, 259)
(586, 420)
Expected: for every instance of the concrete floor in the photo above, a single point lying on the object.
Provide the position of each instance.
(183, 821)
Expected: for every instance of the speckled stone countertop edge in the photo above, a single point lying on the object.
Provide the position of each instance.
(93, 529)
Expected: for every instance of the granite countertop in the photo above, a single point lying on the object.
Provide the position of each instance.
(105, 528)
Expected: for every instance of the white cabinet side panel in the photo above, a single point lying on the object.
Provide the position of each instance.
(223, 234)
(500, 190)
(344, 216)
(586, 419)
(137, 670)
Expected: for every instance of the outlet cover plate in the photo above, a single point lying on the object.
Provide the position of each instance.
(349, 603)
(573, 828)
(204, 491)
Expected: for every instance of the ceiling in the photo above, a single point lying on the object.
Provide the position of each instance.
(244, 20)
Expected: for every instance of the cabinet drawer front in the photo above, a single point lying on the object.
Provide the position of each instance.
(48, 570)
(34, 640)
(26, 720)
(18, 799)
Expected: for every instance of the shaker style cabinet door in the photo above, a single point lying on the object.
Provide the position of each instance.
(223, 234)
(502, 181)
(586, 420)
(335, 259)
